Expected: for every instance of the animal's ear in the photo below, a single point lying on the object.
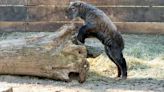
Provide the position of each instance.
(71, 4)
(76, 3)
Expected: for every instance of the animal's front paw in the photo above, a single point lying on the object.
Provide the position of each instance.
(81, 39)
(76, 41)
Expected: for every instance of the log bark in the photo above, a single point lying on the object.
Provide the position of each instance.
(53, 56)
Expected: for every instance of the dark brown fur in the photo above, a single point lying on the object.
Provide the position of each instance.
(99, 25)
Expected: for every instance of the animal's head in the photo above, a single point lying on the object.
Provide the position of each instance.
(73, 9)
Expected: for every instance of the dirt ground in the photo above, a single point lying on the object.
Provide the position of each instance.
(144, 75)
(30, 84)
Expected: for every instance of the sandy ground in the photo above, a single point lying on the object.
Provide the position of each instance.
(32, 84)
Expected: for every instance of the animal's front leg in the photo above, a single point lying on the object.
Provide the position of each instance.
(82, 34)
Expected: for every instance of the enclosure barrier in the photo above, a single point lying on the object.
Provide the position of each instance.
(130, 16)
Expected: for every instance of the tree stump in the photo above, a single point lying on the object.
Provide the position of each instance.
(53, 56)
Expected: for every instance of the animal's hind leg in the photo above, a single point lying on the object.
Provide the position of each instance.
(124, 66)
(116, 56)
(108, 52)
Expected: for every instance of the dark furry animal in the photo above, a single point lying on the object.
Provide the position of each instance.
(99, 25)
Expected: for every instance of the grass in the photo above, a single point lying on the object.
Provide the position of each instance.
(16, 35)
(145, 47)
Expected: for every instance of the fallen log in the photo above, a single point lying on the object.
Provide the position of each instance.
(52, 56)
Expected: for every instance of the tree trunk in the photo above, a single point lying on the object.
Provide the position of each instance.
(53, 56)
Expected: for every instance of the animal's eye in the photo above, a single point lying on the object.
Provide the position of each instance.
(73, 9)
